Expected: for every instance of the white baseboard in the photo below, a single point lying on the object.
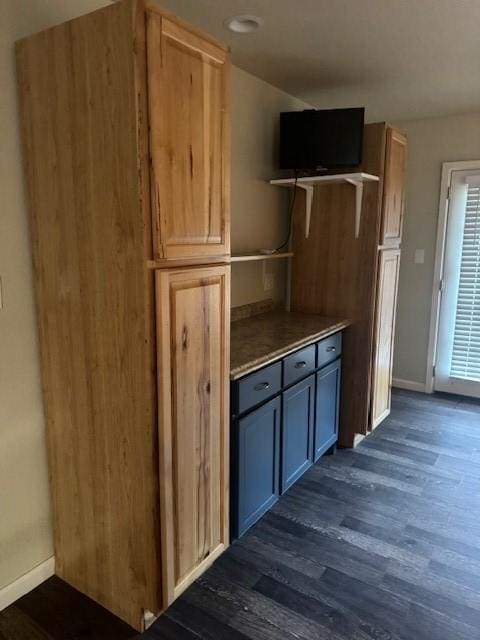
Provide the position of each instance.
(409, 385)
(26, 583)
(358, 438)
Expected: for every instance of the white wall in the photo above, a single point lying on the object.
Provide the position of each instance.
(25, 524)
(430, 143)
(259, 210)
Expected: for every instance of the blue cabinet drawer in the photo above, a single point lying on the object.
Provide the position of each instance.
(329, 349)
(298, 365)
(257, 387)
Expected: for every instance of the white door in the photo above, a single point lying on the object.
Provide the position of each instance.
(457, 366)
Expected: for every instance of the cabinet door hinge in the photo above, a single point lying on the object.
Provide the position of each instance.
(449, 191)
(441, 285)
(433, 370)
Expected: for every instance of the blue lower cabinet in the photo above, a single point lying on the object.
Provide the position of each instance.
(327, 407)
(275, 443)
(297, 430)
(256, 470)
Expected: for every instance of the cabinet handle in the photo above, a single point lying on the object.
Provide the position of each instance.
(301, 365)
(261, 386)
(330, 349)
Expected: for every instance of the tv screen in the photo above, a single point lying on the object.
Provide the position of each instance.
(311, 140)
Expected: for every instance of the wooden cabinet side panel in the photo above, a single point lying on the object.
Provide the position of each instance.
(78, 107)
(394, 187)
(373, 152)
(193, 342)
(389, 263)
(189, 124)
(334, 274)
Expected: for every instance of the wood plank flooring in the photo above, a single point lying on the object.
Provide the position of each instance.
(379, 543)
(382, 542)
(55, 611)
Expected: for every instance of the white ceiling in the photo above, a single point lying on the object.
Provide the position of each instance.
(402, 59)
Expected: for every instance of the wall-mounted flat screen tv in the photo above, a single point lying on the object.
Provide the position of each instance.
(321, 139)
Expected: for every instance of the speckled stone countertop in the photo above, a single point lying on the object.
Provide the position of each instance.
(260, 339)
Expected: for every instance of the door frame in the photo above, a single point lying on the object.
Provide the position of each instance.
(447, 169)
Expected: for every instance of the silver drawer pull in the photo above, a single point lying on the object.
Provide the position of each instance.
(330, 349)
(262, 386)
(300, 365)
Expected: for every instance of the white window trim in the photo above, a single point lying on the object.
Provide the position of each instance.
(447, 169)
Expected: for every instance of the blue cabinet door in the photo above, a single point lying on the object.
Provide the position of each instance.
(327, 407)
(297, 430)
(256, 467)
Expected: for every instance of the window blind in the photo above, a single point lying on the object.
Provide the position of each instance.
(466, 342)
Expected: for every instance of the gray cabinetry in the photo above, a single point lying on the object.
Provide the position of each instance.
(256, 465)
(298, 414)
(327, 406)
(284, 417)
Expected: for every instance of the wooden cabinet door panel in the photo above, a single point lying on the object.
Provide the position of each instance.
(384, 334)
(189, 141)
(393, 187)
(193, 356)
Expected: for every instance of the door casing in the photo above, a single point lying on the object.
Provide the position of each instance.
(447, 170)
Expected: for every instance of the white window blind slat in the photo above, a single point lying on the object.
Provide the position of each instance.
(465, 362)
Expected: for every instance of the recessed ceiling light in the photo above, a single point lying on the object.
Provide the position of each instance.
(243, 23)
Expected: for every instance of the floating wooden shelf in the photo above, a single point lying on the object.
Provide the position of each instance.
(247, 257)
(308, 184)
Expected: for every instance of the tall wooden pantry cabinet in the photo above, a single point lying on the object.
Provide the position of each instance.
(125, 122)
(337, 274)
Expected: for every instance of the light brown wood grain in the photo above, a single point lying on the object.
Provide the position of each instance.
(143, 142)
(193, 325)
(205, 37)
(332, 275)
(335, 274)
(174, 263)
(393, 187)
(80, 110)
(189, 140)
(84, 89)
(389, 264)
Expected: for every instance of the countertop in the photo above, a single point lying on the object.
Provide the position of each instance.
(263, 338)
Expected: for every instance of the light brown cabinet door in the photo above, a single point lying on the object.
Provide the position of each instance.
(393, 187)
(389, 262)
(193, 315)
(188, 78)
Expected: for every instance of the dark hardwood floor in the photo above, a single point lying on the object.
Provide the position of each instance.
(379, 543)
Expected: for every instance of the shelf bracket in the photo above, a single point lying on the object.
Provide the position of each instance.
(308, 188)
(308, 183)
(358, 203)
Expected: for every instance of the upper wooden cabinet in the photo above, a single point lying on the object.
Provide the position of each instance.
(393, 187)
(193, 326)
(189, 141)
